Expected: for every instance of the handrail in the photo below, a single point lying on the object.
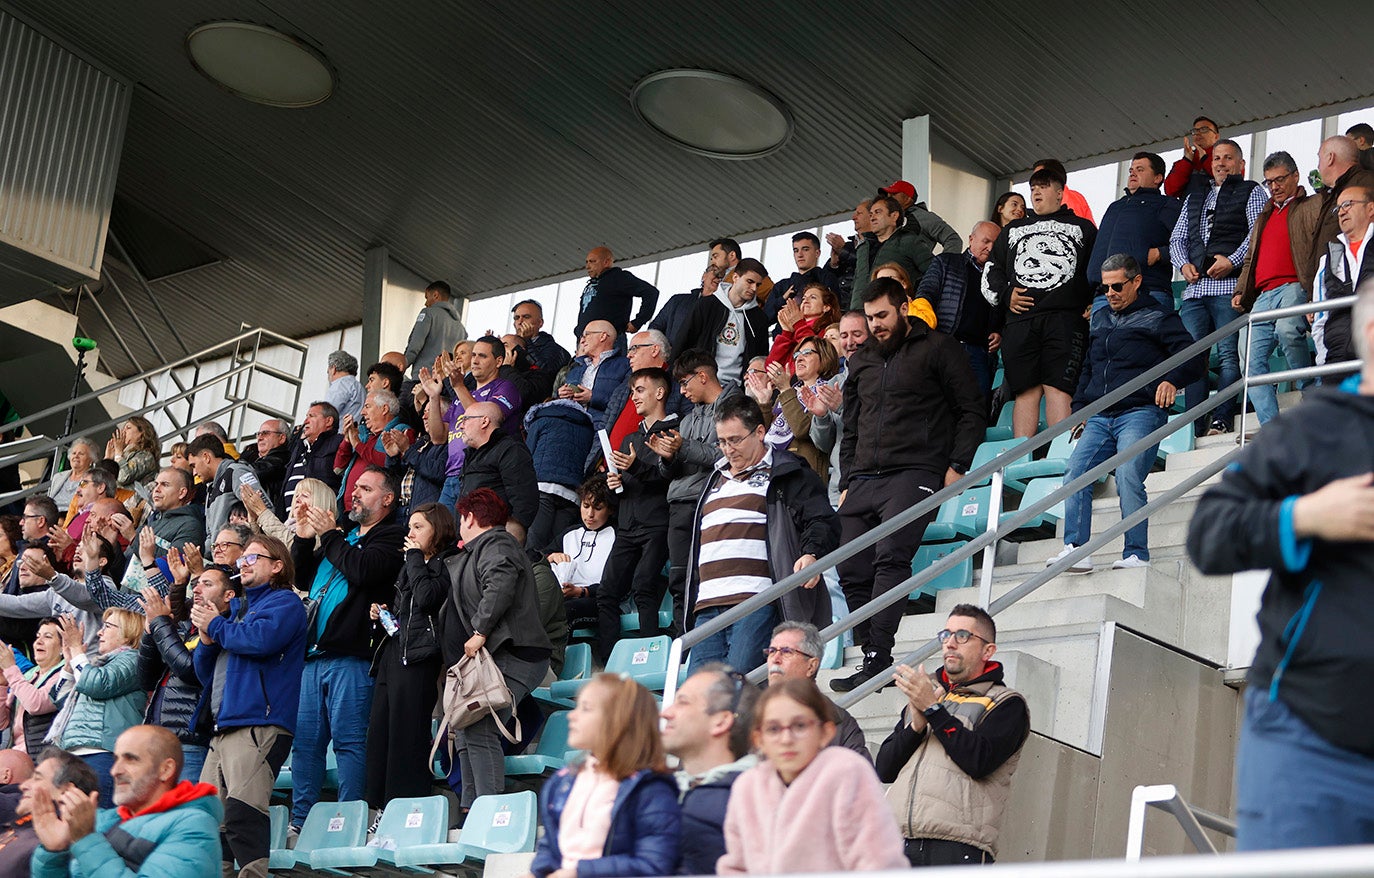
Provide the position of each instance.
(1193, 819)
(976, 475)
(152, 373)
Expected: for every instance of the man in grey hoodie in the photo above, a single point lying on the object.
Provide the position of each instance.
(729, 324)
(437, 328)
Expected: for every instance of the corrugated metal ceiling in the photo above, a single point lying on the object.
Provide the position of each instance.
(492, 144)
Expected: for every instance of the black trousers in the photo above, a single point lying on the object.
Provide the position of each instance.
(556, 516)
(398, 731)
(883, 566)
(682, 519)
(1340, 348)
(938, 852)
(635, 565)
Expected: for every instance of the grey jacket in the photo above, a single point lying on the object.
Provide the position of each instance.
(63, 596)
(221, 494)
(826, 434)
(437, 328)
(696, 459)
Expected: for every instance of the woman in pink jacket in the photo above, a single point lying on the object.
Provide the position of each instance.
(28, 703)
(807, 807)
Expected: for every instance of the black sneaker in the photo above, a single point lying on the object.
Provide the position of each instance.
(1219, 426)
(874, 665)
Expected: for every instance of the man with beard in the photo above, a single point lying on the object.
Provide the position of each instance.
(913, 418)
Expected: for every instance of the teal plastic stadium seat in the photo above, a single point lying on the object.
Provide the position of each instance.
(965, 515)
(328, 825)
(1054, 463)
(989, 450)
(548, 754)
(1037, 490)
(331, 772)
(283, 781)
(629, 622)
(577, 665)
(834, 654)
(405, 823)
(278, 816)
(1177, 442)
(502, 824)
(645, 659)
(961, 576)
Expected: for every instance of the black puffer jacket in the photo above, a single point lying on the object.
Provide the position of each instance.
(420, 591)
(165, 669)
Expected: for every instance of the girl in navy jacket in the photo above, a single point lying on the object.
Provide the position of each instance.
(616, 814)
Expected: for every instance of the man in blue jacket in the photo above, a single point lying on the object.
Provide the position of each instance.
(250, 659)
(1138, 224)
(1131, 336)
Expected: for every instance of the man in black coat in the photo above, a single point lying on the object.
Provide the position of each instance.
(610, 292)
(312, 452)
(495, 459)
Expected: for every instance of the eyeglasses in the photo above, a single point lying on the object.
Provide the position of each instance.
(1203, 130)
(733, 441)
(1345, 205)
(784, 652)
(590, 333)
(1277, 181)
(960, 636)
(262, 433)
(756, 371)
(638, 347)
(1116, 288)
(806, 353)
(224, 545)
(252, 558)
(27, 515)
(683, 382)
(797, 727)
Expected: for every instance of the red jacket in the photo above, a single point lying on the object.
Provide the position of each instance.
(1176, 183)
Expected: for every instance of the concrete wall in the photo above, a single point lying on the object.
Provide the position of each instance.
(961, 191)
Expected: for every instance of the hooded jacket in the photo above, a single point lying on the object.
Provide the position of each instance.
(109, 701)
(559, 435)
(696, 459)
(370, 570)
(1048, 256)
(167, 671)
(710, 317)
(176, 836)
(1315, 616)
(645, 836)
(492, 593)
(175, 527)
(263, 634)
(801, 521)
(704, 799)
(1123, 345)
(221, 494)
(437, 329)
(919, 408)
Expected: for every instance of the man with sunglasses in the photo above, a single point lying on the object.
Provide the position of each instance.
(795, 653)
(1269, 278)
(250, 660)
(955, 747)
(1129, 337)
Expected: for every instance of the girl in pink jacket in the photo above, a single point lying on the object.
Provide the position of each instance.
(807, 807)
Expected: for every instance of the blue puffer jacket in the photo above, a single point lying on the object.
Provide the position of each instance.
(645, 834)
(560, 436)
(178, 839)
(609, 375)
(1125, 344)
(264, 634)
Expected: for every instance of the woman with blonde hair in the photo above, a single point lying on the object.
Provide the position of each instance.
(104, 698)
(807, 807)
(135, 448)
(618, 808)
(309, 492)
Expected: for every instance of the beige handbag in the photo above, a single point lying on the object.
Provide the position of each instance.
(474, 688)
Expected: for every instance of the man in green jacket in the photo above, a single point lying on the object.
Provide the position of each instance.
(891, 238)
(160, 829)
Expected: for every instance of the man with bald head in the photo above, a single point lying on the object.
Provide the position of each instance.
(953, 286)
(1338, 162)
(15, 768)
(495, 459)
(160, 827)
(596, 371)
(610, 292)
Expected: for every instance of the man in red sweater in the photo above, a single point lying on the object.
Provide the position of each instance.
(1197, 157)
(1269, 278)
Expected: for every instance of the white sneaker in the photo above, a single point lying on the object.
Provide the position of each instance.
(1082, 565)
(1130, 562)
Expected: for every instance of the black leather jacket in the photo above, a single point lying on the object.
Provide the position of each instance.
(420, 591)
(165, 669)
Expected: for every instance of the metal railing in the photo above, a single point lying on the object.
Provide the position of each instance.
(1166, 798)
(997, 526)
(243, 353)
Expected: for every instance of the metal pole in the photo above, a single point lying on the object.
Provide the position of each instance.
(71, 408)
(990, 553)
(1245, 385)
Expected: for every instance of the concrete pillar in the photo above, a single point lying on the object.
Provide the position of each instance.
(392, 296)
(949, 182)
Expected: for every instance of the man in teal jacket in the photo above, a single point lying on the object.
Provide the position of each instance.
(160, 829)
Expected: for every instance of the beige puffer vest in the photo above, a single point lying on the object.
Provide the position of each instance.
(933, 798)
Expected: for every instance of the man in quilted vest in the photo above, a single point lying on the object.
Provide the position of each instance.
(964, 729)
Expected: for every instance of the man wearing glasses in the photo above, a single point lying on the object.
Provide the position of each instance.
(763, 515)
(596, 372)
(250, 659)
(1269, 278)
(269, 455)
(1345, 267)
(1338, 162)
(1196, 165)
(795, 653)
(955, 747)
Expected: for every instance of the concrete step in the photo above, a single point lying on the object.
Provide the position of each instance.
(1162, 535)
(1186, 461)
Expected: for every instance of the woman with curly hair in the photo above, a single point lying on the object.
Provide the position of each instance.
(134, 447)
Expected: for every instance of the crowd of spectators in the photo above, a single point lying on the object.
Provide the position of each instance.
(305, 595)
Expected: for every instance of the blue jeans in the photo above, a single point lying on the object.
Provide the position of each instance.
(101, 763)
(336, 701)
(1294, 788)
(194, 762)
(452, 490)
(1103, 436)
(1202, 317)
(1288, 334)
(740, 645)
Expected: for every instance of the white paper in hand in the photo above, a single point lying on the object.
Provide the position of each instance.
(606, 450)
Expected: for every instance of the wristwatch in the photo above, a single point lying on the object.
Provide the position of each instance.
(933, 709)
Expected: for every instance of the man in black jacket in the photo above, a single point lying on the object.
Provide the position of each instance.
(495, 459)
(953, 286)
(610, 292)
(349, 573)
(312, 452)
(730, 324)
(913, 418)
(1133, 335)
(269, 456)
(1300, 501)
(545, 353)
